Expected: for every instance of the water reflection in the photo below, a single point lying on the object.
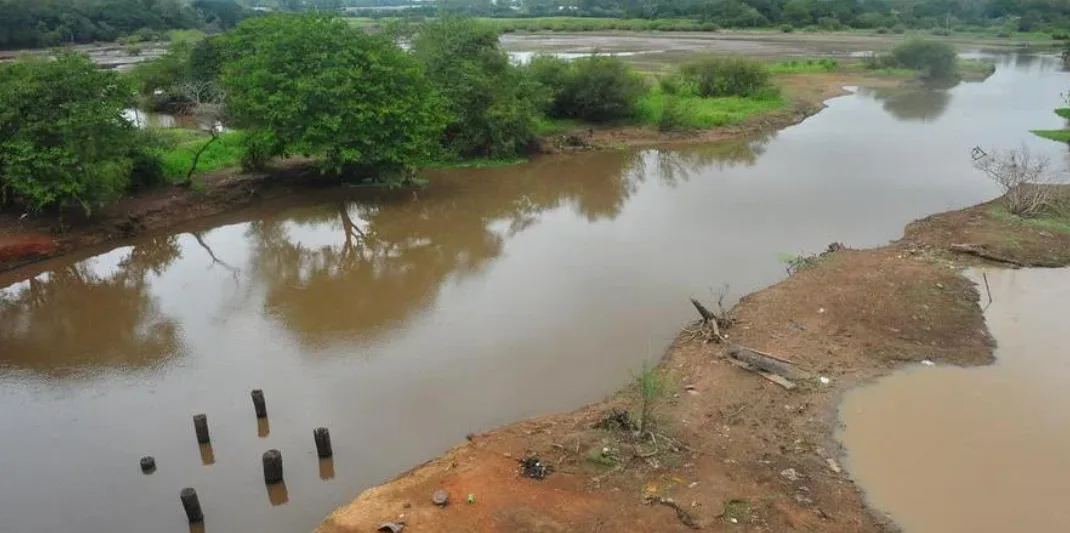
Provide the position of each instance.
(923, 104)
(76, 319)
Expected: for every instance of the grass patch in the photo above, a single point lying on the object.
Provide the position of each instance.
(554, 126)
(887, 72)
(736, 511)
(1063, 112)
(976, 66)
(185, 36)
(695, 112)
(1054, 135)
(805, 66)
(1058, 221)
(179, 146)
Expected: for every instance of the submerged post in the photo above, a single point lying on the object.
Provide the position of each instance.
(258, 403)
(200, 425)
(272, 466)
(192, 505)
(323, 442)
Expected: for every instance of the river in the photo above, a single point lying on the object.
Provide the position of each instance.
(404, 321)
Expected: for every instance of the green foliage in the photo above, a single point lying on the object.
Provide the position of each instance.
(800, 66)
(176, 149)
(36, 23)
(493, 105)
(652, 388)
(726, 76)
(1063, 112)
(597, 88)
(63, 138)
(786, 28)
(164, 72)
(933, 59)
(313, 85)
(1062, 136)
(688, 112)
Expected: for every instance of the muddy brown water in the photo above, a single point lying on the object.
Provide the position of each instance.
(957, 450)
(404, 321)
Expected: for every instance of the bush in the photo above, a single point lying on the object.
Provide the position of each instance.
(787, 28)
(882, 31)
(942, 32)
(722, 76)
(673, 115)
(879, 61)
(899, 29)
(596, 88)
(493, 105)
(933, 59)
(63, 138)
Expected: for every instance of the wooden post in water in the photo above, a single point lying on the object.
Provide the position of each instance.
(192, 505)
(200, 425)
(323, 442)
(272, 466)
(258, 403)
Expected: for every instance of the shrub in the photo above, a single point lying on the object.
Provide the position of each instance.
(787, 28)
(722, 76)
(493, 105)
(899, 29)
(942, 32)
(1025, 179)
(933, 59)
(63, 138)
(597, 88)
(673, 115)
(882, 30)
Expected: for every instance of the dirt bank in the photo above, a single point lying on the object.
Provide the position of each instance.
(28, 239)
(730, 450)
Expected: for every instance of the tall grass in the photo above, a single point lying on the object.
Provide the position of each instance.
(177, 147)
(805, 66)
(689, 112)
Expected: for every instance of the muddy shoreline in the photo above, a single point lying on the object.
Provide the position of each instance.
(26, 240)
(735, 448)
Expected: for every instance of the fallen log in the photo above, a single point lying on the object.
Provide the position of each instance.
(779, 380)
(766, 362)
(978, 251)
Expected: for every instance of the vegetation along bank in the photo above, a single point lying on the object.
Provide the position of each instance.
(299, 97)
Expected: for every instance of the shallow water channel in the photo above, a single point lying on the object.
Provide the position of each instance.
(404, 321)
(965, 450)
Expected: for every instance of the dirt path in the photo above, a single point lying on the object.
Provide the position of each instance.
(732, 451)
(25, 240)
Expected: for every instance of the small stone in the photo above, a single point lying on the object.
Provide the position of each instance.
(790, 474)
(470, 436)
(833, 465)
(148, 464)
(507, 454)
(406, 505)
(939, 285)
(391, 527)
(693, 485)
(440, 498)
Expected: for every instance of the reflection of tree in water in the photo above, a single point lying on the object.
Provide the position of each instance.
(73, 321)
(681, 164)
(360, 267)
(923, 104)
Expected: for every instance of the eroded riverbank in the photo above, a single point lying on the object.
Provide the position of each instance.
(735, 449)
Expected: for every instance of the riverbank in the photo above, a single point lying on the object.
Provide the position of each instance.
(730, 447)
(25, 240)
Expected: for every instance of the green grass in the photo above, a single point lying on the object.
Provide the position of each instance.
(1063, 112)
(185, 36)
(180, 145)
(1054, 135)
(1057, 221)
(554, 126)
(702, 113)
(882, 72)
(805, 66)
(479, 162)
(976, 66)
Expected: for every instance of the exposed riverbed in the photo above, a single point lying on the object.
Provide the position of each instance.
(405, 321)
(956, 450)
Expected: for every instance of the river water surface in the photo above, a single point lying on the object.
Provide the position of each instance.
(404, 321)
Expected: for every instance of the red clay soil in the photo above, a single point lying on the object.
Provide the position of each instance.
(733, 451)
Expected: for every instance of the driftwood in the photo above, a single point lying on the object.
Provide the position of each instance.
(775, 369)
(709, 319)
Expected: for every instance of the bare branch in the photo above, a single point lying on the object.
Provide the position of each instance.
(1025, 179)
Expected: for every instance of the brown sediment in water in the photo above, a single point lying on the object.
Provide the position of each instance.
(730, 448)
(25, 240)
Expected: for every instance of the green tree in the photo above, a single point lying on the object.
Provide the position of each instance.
(597, 88)
(312, 85)
(63, 138)
(934, 59)
(493, 105)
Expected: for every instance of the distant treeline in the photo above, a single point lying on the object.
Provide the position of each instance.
(1008, 15)
(42, 23)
